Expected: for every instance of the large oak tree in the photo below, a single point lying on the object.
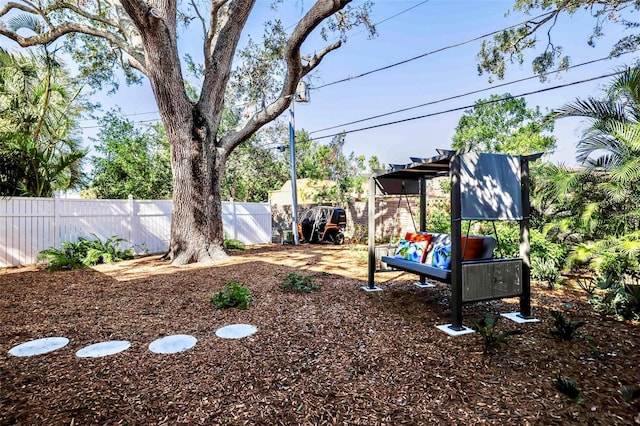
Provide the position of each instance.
(142, 35)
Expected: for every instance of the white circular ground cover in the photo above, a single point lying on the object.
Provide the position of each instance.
(103, 349)
(236, 331)
(39, 346)
(172, 344)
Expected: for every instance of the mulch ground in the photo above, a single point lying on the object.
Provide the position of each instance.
(338, 356)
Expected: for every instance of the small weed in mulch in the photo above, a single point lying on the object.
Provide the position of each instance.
(233, 295)
(300, 283)
(491, 337)
(564, 330)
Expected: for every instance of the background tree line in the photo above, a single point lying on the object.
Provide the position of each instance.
(40, 110)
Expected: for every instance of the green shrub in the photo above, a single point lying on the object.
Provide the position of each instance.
(508, 237)
(233, 295)
(84, 253)
(564, 330)
(545, 271)
(359, 235)
(614, 256)
(542, 248)
(232, 244)
(619, 297)
(299, 283)
(438, 220)
(487, 329)
(509, 243)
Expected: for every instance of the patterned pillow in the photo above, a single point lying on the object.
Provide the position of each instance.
(420, 237)
(417, 236)
(442, 257)
(411, 250)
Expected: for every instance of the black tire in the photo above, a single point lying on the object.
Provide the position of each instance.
(339, 239)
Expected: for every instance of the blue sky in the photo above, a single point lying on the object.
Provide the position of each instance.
(428, 26)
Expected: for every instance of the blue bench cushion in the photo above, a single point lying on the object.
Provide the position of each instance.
(418, 268)
(486, 253)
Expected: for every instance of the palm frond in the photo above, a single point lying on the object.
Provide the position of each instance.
(627, 85)
(593, 109)
(25, 21)
(627, 172)
(589, 218)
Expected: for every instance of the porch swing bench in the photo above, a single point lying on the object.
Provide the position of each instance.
(483, 278)
(486, 187)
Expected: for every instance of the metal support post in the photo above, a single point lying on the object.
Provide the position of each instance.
(456, 252)
(292, 160)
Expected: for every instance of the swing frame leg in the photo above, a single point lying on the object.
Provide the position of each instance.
(423, 282)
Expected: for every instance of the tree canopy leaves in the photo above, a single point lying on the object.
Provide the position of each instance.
(504, 124)
(132, 162)
(510, 45)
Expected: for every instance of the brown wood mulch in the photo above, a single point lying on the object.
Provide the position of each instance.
(338, 356)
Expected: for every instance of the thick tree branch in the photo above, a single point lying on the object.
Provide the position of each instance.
(317, 57)
(17, 6)
(320, 11)
(228, 30)
(54, 32)
(210, 35)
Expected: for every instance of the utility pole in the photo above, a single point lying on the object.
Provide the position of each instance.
(301, 95)
(292, 161)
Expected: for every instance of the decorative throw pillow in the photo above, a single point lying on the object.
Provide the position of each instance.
(416, 236)
(471, 247)
(420, 237)
(410, 250)
(442, 257)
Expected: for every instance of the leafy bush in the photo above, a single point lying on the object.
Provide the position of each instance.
(231, 244)
(85, 253)
(508, 237)
(619, 297)
(542, 248)
(438, 220)
(233, 295)
(564, 330)
(545, 271)
(299, 283)
(359, 234)
(487, 329)
(568, 387)
(509, 243)
(613, 256)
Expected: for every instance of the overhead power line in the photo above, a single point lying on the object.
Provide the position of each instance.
(546, 89)
(401, 12)
(153, 120)
(473, 92)
(124, 115)
(441, 49)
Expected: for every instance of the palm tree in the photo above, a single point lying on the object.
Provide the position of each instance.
(603, 200)
(39, 108)
(612, 141)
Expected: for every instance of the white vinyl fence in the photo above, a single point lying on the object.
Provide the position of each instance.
(30, 225)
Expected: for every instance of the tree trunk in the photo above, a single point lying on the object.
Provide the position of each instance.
(196, 224)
